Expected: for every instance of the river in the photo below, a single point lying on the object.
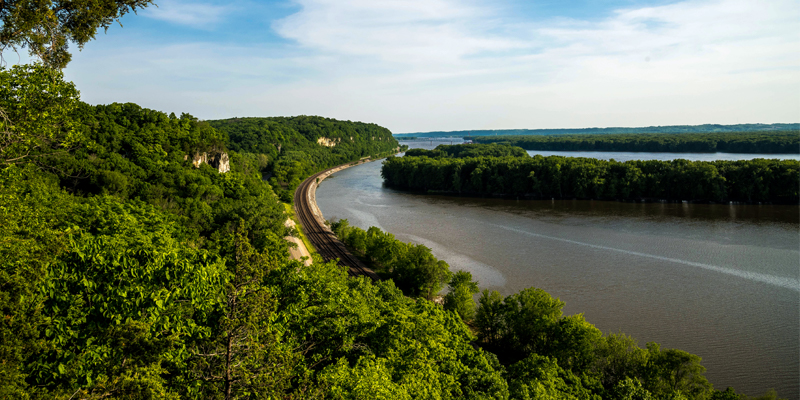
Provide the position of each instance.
(719, 281)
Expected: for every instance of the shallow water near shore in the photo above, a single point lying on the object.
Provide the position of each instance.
(720, 281)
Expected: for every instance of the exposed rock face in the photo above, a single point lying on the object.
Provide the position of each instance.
(199, 159)
(323, 141)
(224, 163)
(218, 160)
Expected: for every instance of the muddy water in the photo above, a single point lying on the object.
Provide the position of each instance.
(720, 281)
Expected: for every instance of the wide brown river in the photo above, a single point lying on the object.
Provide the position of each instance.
(720, 281)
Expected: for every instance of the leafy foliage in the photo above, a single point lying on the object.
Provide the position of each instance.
(528, 330)
(757, 180)
(459, 296)
(243, 355)
(135, 153)
(413, 267)
(469, 150)
(292, 148)
(128, 272)
(47, 27)
(37, 110)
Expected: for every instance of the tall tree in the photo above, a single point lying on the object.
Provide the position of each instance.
(459, 297)
(36, 113)
(489, 317)
(243, 357)
(45, 27)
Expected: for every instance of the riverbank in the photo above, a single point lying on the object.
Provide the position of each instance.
(304, 247)
(710, 279)
(312, 190)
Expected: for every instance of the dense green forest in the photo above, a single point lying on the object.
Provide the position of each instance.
(707, 128)
(778, 142)
(757, 180)
(289, 149)
(131, 271)
(141, 257)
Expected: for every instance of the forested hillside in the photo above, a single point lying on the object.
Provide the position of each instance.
(757, 180)
(288, 149)
(141, 257)
(777, 142)
(131, 270)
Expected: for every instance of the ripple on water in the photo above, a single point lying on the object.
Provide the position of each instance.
(719, 281)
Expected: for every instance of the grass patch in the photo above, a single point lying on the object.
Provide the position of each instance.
(290, 212)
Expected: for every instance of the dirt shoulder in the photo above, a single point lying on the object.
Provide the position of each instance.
(301, 250)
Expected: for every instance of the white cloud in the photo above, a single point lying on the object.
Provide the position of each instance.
(416, 65)
(196, 15)
(422, 32)
(448, 35)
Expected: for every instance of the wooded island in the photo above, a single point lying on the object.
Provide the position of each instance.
(502, 170)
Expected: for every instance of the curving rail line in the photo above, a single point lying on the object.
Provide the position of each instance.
(326, 243)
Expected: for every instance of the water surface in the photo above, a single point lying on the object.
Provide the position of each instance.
(720, 281)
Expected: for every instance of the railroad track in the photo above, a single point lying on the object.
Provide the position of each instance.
(327, 244)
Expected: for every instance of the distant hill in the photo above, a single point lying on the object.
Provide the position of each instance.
(707, 128)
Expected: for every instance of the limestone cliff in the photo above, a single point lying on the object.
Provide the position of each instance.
(323, 141)
(216, 159)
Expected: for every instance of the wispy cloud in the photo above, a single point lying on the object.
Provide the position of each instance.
(195, 15)
(417, 65)
(450, 35)
(427, 32)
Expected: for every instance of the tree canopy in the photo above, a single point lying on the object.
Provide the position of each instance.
(289, 149)
(129, 269)
(128, 272)
(46, 27)
(37, 113)
(757, 180)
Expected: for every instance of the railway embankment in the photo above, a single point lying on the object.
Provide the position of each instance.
(313, 222)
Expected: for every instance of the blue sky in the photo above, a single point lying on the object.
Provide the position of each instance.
(421, 65)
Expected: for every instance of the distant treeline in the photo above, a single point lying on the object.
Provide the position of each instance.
(782, 142)
(469, 150)
(707, 128)
(758, 180)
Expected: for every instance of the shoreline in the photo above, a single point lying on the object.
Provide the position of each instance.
(312, 192)
(301, 250)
